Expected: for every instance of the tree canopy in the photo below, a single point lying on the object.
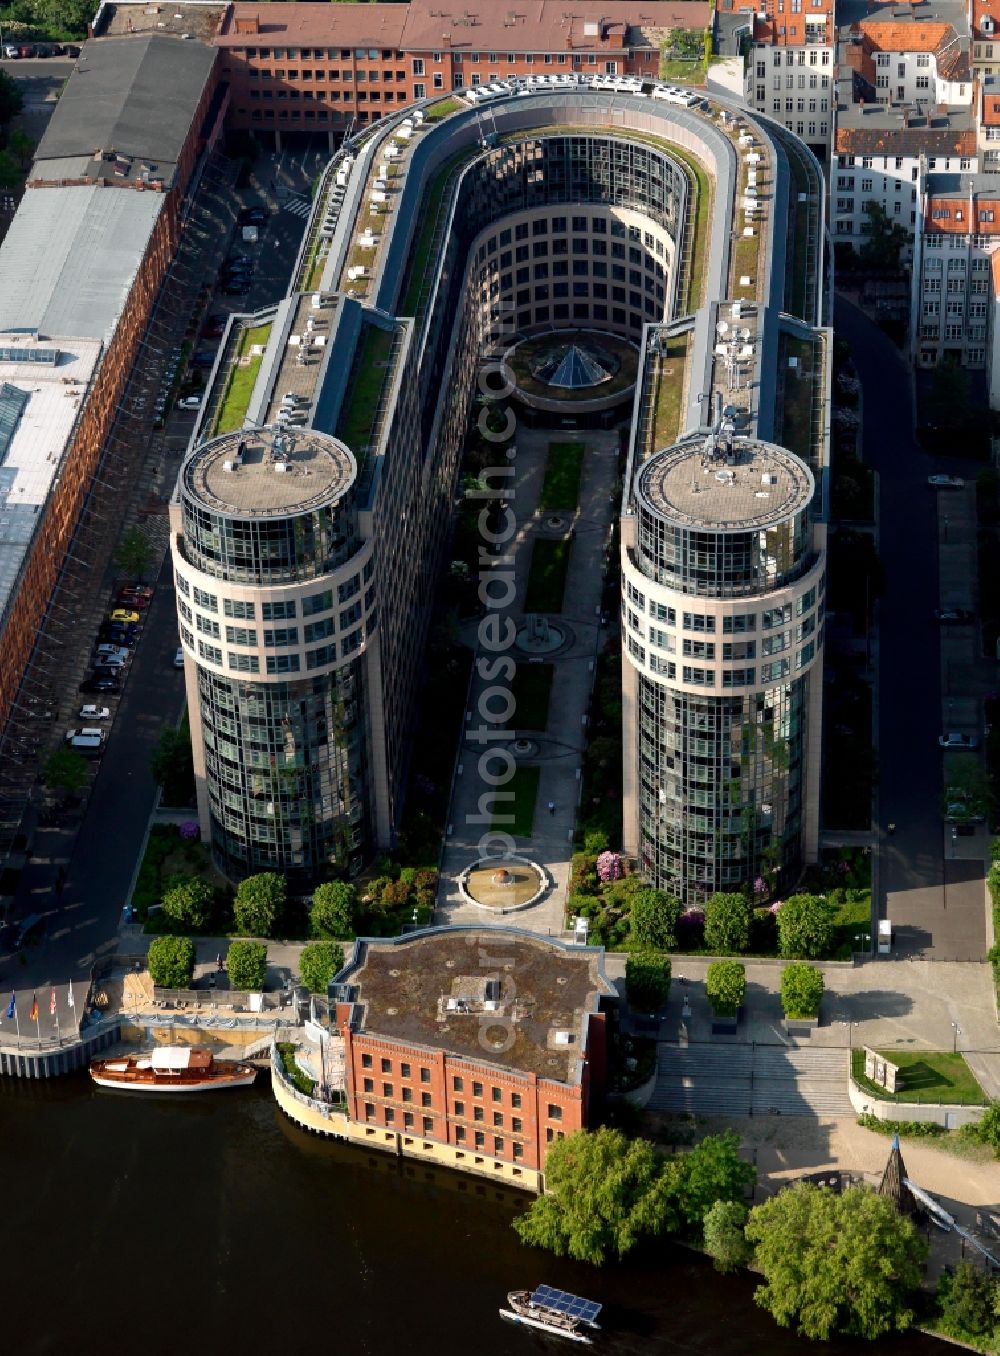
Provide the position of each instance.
(604, 1193)
(653, 920)
(247, 965)
(65, 770)
(318, 963)
(333, 908)
(805, 927)
(259, 903)
(710, 1172)
(647, 981)
(11, 99)
(188, 901)
(725, 987)
(727, 924)
(172, 765)
(134, 553)
(725, 1241)
(835, 1263)
(801, 990)
(171, 962)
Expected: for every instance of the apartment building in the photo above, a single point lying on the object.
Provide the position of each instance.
(493, 1049)
(316, 67)
(988, 123)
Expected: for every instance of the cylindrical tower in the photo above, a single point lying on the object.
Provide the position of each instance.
(722, 599)
(275, 605)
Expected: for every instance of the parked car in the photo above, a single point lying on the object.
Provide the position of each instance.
(239, 287)
(203, 358)
(11, 51)
(213, 329)
(254, 216)
(237, 261)
(71, 50)
(101, 682)
(27, 49)
(189, 403)
(86, 732)
(945, 482)
(958, 741)
(179, 657)
(89, 711)
(953, 614)
(44, 49)
(136, 595)
(112, 653)
(123, 614)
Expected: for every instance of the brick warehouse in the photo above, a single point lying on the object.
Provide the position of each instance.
(490, 1041)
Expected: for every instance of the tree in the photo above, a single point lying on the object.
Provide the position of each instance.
(172, 765)
(332, 912)
(11, 100)
(134, 554)
(965, 1301)
(727, 924)
(11, 174)
(259, 902)
(65, 770)
(653, 920)
(884, 239)
(604, 1193)
(712, 1171)
(647, 981)
(968, 795)
(318, 964)
(805, 927)
(725, 1241)
(835, 1263)
(21, 145)
(725, 987)
(801, 990)
(188, 901)
(987, 1129)
(171, 962)
(247, 965)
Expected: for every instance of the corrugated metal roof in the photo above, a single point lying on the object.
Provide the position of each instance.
(70, 257)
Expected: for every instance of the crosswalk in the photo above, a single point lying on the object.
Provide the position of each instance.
(299, 207)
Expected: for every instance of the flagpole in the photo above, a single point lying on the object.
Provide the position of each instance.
(17, 1023)
(38, 1025)
(54, 1011)
(72, 1003)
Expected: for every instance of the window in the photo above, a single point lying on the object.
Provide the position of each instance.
(418, 66)
(425, 1075)
(425, 1099)
(277, 611)
(366, 1061)
(206, 600)
(515, 1125)
(477, 1089)
(386, 1089)
(497, 1141)
(498, 1120)
(369, 1085)
(282, 663)
(285, 635)
(428, 1124)
(244, 663)
(515, 1100)
(211, 653)
(407, 1094)
(315, 602)
(408, 1120)
(478, 1114)
(206, 626)
(554, 1111)
(233, 608)
(459, 1108)
(458, 1084)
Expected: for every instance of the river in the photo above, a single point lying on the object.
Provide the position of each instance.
(214, 1223)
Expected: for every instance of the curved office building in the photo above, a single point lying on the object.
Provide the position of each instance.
(434, 242)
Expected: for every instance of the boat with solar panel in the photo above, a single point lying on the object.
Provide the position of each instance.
(554, 1311)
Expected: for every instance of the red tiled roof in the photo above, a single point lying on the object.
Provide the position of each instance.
(990, 113)
(307, 24)
(909, 141)
(957, 216)
(775, 27)
(981, 8)
(905, 36)
(995, 271)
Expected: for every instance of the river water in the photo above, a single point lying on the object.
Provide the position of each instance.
(214, 1223)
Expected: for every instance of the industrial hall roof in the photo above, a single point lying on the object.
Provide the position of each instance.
(133, 97)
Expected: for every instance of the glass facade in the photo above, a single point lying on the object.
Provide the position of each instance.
(286, 769)
(269, 550)
(723, 565)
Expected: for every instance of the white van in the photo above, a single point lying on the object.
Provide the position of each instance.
(87, 740)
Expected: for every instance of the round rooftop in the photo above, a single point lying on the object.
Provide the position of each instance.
(725, 483)
(269, 472)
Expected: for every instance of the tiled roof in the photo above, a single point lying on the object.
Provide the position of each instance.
(940, 39)
(959, 216)
(980, 9)
(774, 27)
(995, 271)
(906, 141)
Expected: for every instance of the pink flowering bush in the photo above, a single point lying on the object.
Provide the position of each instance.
(189, 830)
(609, 866)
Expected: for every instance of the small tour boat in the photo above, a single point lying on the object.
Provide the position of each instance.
(171, 1068)
(553, 1311)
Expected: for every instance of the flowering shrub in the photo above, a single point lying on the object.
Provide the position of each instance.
(189, 830)
(776, 905)
(760, 886)
(692, 918)
(609, 866)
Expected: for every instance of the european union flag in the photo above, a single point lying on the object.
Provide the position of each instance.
(11, 1007)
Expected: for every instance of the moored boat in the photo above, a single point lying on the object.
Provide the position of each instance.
(554, 1311)
(172, 1068)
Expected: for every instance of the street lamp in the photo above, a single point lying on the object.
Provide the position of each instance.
(956, 1032)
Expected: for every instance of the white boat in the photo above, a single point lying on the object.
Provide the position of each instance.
(553, 1311)
(172, 1068)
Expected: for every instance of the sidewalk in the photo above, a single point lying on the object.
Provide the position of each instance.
(557, 751)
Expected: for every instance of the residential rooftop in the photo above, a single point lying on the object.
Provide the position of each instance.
(125, 111)
(54, 374)
(269, 472)
(491, 995)
(199, 20)
(725, 485)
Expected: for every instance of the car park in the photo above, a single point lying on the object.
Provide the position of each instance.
(958, 741)
(953, 614)
(108, 651)
(124, 614)
(101, 682)
(89, 711)
(945, 482)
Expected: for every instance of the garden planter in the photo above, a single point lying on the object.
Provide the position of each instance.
(725, 1023)
(800, 1026)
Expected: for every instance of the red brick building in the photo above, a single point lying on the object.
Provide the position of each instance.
(320, 67)
(490, 1041)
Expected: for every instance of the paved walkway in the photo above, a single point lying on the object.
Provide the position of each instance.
(558, 751)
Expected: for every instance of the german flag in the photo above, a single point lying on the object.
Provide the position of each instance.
(33, 1014)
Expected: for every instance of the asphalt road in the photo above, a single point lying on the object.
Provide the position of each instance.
(99, 861)
(929, 912)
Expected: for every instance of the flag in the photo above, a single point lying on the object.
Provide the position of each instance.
(33, 1014)
(69, 997)
(11, 1007)
(52, 1003)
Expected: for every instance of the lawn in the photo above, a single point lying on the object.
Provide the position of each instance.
(524, 785)
(358, 412)
(547, 576)
(797, 407)
(443, 109)
(240, 384)
(531, 689)
(925, 1076)
(669, 391)
(561, 486)
(852, 917)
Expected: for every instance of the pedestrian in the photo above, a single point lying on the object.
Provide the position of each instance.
(218, 961)
(552, 807)
(891, 826)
